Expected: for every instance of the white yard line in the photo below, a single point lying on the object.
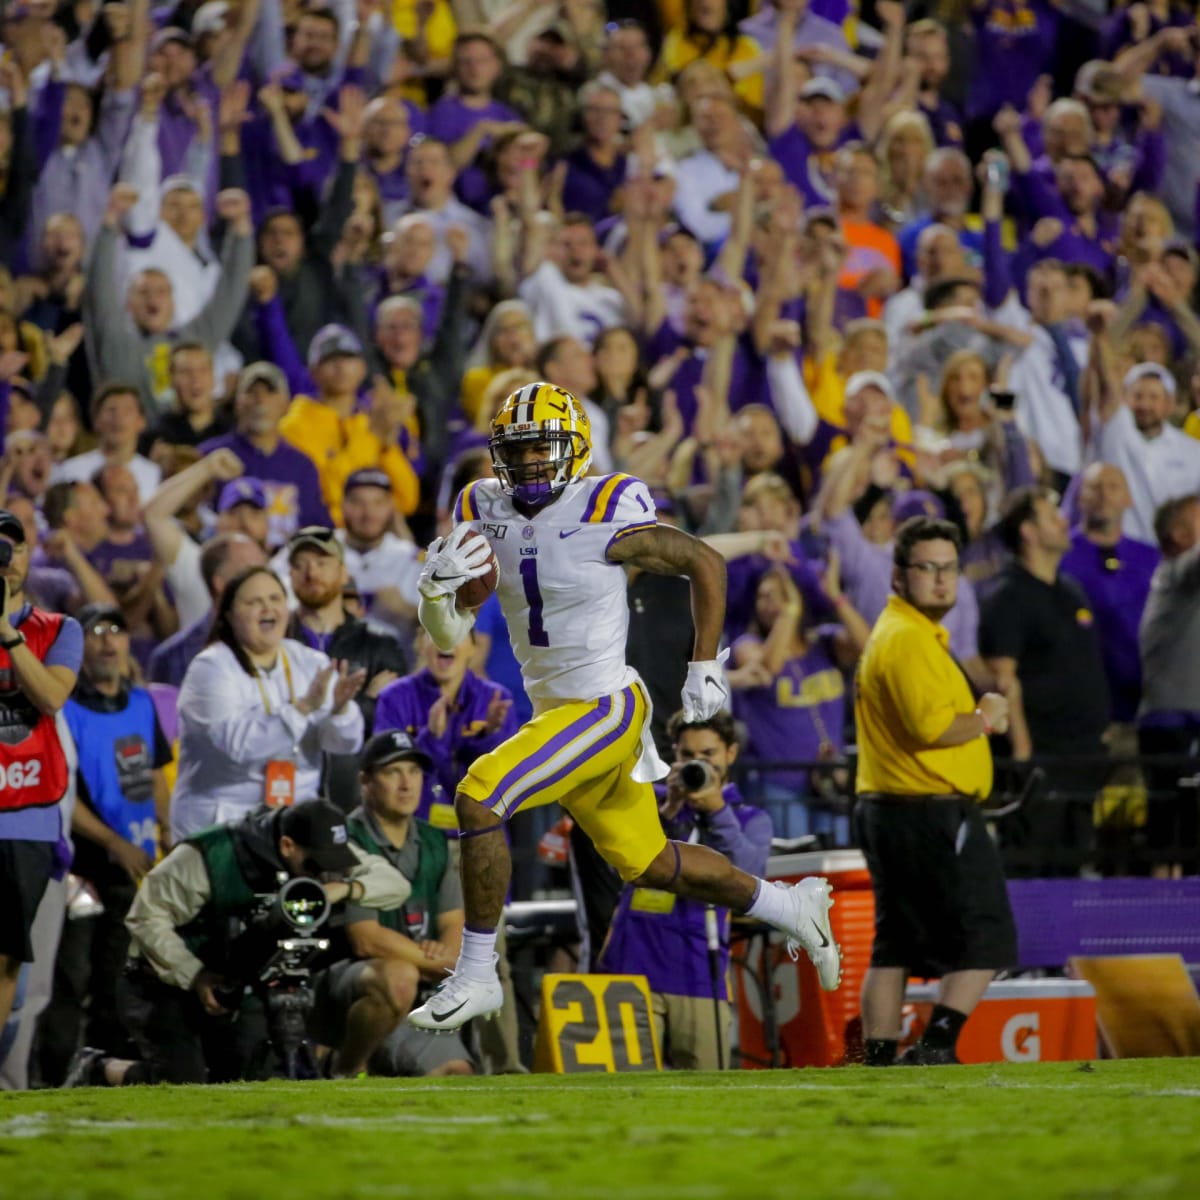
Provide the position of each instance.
(43, 1124)
(558, 1084)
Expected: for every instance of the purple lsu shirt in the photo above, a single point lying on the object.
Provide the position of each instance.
(1116, 580)
(662, 936)
(405, 705)
(803, 707)
(293, 485)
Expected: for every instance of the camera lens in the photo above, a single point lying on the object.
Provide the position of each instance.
(303, 903)
(693, 775)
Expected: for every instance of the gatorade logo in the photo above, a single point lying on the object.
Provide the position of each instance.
(1019, 1041)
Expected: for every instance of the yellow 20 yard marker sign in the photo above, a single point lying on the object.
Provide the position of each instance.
(595, 1023)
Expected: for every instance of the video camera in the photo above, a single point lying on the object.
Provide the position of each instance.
(273, 956)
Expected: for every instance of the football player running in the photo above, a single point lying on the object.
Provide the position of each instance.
(561, 538)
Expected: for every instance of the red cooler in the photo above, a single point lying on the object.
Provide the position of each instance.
(811, 1025)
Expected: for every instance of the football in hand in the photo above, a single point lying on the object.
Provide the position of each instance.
(472, 594)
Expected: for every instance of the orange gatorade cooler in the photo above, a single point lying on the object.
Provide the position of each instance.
(1018, 1020)
(779, 1001)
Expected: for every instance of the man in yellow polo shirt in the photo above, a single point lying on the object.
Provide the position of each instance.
(924, 766)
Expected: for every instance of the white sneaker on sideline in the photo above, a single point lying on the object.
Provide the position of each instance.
(809, 929)
(456, 1001)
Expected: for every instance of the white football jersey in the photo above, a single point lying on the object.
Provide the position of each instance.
(395, 562)
(563, 599)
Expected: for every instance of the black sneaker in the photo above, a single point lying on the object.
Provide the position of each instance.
(922, 1055)
(81, 1072)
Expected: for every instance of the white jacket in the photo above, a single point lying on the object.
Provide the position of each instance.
(227, 736)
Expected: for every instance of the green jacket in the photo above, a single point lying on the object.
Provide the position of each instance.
(417, 917)
(242, 863)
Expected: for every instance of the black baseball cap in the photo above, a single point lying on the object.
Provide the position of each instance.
(94, 614)
(319, 828)
(390, 747)
(368, 477)
(11, 527)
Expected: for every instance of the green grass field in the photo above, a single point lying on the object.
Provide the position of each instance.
(1118, 1129)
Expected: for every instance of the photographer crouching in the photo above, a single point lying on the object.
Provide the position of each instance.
(682, 946)
(207, 936)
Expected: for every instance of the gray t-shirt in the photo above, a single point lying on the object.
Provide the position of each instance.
(1180, 100)
(1169, 637)
(407, 859)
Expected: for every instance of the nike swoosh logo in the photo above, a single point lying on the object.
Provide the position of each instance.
(707, 679)
(562, 533)
(442, 578)
(447, 1015)
(820, 934)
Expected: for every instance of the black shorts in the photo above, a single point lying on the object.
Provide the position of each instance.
(941, 904)
(25, 870)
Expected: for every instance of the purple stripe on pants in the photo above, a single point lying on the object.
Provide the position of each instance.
(587, 752)
(554, 745)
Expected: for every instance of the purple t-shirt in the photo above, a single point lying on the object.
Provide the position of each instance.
(589, 187)
(405, 705)
(867, 579)
(748, 378)
(1014, 44)
(44, 824)
(662, 936)
(502, 666)
(1116, 581)
(1040, 197)
(176, 129)
(51, 588)
(810, 172)
(804, 707)
(449, 120)
(945, 123)
(743, 575)
(293, 486)
(121, 559)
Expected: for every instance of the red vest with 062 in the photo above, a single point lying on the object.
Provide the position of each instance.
(33, 767)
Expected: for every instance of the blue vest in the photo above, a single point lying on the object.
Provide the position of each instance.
(116, 762)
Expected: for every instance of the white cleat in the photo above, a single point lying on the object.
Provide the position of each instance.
(809, 929)
(456, 1001)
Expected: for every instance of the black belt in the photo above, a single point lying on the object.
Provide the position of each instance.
(899, 798)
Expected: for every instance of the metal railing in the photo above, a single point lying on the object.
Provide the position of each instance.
(1053, 816)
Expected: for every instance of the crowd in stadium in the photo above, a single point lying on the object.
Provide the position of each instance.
(268, 269)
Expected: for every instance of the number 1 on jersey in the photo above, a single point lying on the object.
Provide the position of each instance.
(533, 596)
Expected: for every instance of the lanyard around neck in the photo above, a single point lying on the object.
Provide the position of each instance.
(287, 674)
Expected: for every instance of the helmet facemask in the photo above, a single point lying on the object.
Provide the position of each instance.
(534, 483)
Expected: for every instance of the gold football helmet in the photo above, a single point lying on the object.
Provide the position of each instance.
(540, 414)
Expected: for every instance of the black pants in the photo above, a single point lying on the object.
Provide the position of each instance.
(941, 904)
(25, 869)
(91, 959)
(1052, 836)
(180, 1042)
(1173, 812)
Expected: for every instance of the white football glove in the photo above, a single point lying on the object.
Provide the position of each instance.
(448, 564)
(705, 691)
